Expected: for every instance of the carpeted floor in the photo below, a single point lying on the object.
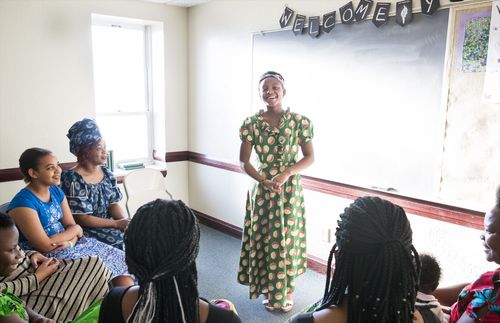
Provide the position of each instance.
(217, 267)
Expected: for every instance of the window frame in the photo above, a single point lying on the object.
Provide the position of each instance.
(118, 22)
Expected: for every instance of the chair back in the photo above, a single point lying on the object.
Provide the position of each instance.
(4, 207)
(142, 186)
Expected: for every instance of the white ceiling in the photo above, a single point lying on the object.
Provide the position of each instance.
(180, 3)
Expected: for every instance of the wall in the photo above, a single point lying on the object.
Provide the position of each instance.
(46, 84)
(46, 80)
(220, 93)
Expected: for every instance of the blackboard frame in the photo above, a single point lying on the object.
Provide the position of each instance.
(371, 144)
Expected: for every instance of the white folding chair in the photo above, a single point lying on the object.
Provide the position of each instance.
(142, 186)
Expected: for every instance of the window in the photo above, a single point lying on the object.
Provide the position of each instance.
(122, 60)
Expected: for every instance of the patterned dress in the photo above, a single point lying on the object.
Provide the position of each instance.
(50, 214)
(273, 251)
(481, 293)
(94, 199)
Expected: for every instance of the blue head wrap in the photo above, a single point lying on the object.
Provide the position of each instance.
(83, 133)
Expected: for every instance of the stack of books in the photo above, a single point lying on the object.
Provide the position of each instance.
(110, 163)
(131, 165)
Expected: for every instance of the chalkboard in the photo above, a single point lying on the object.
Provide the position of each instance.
(374, 95)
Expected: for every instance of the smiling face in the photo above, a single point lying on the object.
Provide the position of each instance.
(97, 153)
(10, 254)
(491, 235)
(272, 92)
(47, 171)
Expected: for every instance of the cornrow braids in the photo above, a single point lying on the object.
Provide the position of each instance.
(376, 266)
(161, 245)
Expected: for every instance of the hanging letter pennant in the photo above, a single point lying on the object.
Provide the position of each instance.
(347, 13)
(404, 12)
(381, 14)
(429, 7)
(314, 26)
(286, 17)
(298, 24)
(329, 21)
(363, 9)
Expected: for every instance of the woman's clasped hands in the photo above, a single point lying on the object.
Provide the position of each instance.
(276, 183)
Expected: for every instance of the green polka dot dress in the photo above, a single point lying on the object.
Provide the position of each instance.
(273, 250)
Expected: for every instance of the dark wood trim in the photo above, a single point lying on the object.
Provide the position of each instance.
(10, 174)
(433, 210)
(203, 159)
(219, 225)
(175, 156)
(317, 264)
(313, 263)
(14, 174)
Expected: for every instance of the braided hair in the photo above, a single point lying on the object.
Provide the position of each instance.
(376, 266)
(161, 245)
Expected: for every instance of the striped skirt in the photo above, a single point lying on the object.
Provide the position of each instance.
(65, 294)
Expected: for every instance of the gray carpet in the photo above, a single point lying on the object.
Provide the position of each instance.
(217, 268)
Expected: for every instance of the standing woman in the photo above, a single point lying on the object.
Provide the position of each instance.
(91, 188)
(273, 251)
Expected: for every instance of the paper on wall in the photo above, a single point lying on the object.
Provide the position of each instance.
(491, 93)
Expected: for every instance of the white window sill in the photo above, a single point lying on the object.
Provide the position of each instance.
(121, 173)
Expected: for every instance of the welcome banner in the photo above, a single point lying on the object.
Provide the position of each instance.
(350, 14)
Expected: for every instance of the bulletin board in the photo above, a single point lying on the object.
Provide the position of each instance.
(374, 95)
(471, 150)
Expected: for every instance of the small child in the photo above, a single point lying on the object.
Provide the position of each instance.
(426, 303)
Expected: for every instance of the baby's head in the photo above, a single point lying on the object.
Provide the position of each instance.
(9, 251)
(430, 274)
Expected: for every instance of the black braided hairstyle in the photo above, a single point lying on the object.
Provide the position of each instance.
(162, 242)
(376, 266)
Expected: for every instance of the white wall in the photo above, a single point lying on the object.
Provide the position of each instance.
(46, 81)
(220, 90)
(46, 84)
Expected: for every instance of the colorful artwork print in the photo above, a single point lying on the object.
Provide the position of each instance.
(475, 48)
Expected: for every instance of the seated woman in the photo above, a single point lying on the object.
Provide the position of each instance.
(161, 243)
(49, 288)
(91, 188)
(41, 212)
(376, 268)
(480, 301)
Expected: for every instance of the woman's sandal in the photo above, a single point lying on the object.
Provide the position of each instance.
(288, 306)
(268, 307)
